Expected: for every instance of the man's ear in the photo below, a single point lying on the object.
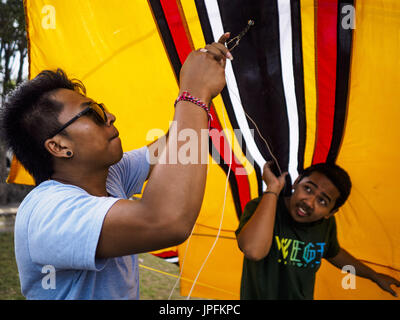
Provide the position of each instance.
(58, 147)
(330, 214)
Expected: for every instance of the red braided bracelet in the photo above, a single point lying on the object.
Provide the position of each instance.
(185, 96)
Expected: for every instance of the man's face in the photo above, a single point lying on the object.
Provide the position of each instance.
(92, 143)
(313, 198)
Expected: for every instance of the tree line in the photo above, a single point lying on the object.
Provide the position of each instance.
(13, 53)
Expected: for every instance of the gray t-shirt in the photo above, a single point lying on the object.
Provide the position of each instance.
(57, 229)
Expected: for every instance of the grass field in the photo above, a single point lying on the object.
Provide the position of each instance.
(153, 285)
(9, 281)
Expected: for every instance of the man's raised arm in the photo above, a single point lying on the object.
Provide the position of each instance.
(173, 196)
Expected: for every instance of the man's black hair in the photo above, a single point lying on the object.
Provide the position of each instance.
(337, 175)
(30, 114)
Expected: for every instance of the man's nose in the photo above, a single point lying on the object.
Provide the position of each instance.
(110, 118)
(310, 200)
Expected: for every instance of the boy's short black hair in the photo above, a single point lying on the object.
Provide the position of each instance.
(337, 175)
(30, 114)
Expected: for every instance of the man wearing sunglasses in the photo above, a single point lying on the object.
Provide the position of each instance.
(78, 223)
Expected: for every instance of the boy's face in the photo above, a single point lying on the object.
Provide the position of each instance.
(93, 144)
(313, 198)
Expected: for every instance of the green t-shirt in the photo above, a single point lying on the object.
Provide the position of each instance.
(288, 271)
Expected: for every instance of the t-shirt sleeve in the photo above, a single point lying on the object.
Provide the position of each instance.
(247, 213)
(129, 173)
(333, 243)
(65, 231)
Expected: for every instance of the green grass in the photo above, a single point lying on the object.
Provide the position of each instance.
(9, 281)
(153, 285)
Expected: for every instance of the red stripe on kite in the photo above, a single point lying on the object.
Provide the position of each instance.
(177, 28)
(183, 46)
(228, 156)
(166, 254)
(327, 11)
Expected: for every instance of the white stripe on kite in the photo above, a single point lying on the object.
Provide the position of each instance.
(217, 30)
(285, 34)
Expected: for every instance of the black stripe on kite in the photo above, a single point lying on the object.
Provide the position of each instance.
(258, 73)
(208, 36)
(173, 54)
(257, 69)
(344, 47)
(162, 25)
(298, 71)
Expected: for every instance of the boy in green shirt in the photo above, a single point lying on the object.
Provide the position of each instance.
(284, 238)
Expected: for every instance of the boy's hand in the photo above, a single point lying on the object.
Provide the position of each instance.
(384, 281)
(203, 73)
(273, 182)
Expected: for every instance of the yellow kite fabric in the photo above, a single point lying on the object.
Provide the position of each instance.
(323, 87)
(369, 224)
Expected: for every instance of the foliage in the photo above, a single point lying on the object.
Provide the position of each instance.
(13, 52)
(13, 42)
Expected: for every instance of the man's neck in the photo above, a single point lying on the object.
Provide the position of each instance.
(94, 184)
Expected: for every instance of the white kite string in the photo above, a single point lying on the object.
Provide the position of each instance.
(226, 189)
(250, 23)
(183, 263)
(265, 141)
(223, 206)
(220, 223)
(217, 236)
(212, 247)
(184, 256)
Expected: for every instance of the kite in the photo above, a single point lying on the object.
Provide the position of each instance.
(311, 81)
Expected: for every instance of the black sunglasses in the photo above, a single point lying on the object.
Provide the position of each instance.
(97, 109)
